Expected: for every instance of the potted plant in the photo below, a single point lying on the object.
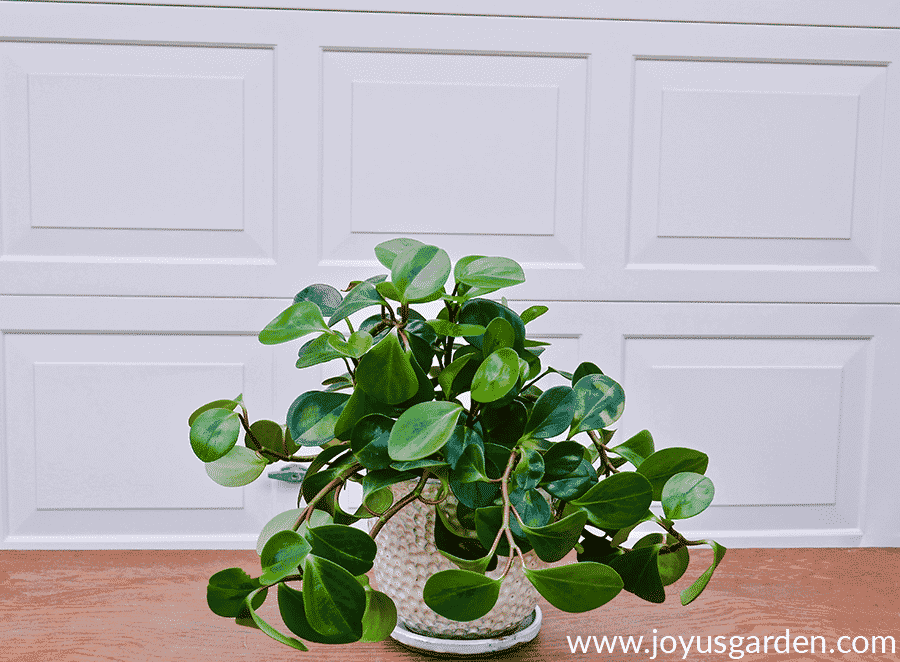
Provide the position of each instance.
(444, 417)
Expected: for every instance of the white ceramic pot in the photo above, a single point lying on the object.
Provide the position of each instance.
(407, 557)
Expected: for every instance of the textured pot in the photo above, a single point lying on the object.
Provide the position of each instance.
(407, 557)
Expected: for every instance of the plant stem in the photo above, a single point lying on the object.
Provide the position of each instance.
(397, 507)
(608, 468)
(334, 482)
(681, 540)
(504, 490)
(534, 381)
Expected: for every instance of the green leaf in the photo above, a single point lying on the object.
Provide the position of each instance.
(248, 610)
(377, 480)
(466, 553)
(335, 602)
(357, 406)
(673, 565)
(424, 463)
(574, 484)
(214, 433)
(445, 328)
(387, 251)
(529, 471)
(293, 613)
(532, 313)
(386, 373)
(532, 508)
(449, 374)
(499, 333)
(482, 311)
(665, 463)
(585, 368)
(686, 494)
(281, 522)
(553, 541)
(312, 417)
(420, 271)
(552, 413)
(505, 424)
(361, 296)
(282, 556)
(563, 458)
(617, 501)
(422, 430)
(577, 587)
(316, 351)
(461, 595)
(377, 502)
(268, 434)
(470, 467)
(691, 593)
(461, 438)
(218, 404)
(599, 403)
(350, 548)
(239, 466)
(595, 548)
(490, 272)
(227, 589)
(640, 573)
(295, 321)
(369, 441)
(355, 346)
(496, 375)
(636, 449)
(380, 617)
(326, 297)
(388, 291)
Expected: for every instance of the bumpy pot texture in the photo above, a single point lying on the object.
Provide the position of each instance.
(407, 557)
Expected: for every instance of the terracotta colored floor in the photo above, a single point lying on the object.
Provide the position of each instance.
(148, 606)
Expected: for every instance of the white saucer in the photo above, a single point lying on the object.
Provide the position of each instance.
(462, 647)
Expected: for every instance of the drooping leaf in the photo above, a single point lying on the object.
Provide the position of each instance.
(466, 553)
(378, 480)
(665, 463)
(249, 612)
(686, 494)
(422, 430)
(691, 593)
(386, 373)
(326, 297)
(282, 556)
(553, 541)
(599, 403)
(640, 573)
(312, 417)
(552, 413)
(295, 321)
(350, 548)
(496, 375)
(334, 601)
(617, 501)
(239, 466)
(214, 433)
(293, 613)
(227, 589)
(461, 595)
(577, 587)
(380, 617)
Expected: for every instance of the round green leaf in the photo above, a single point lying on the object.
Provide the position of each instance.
(268, 434)
(326, 297)
(214, 433)
(387, 251)
(355, 346)
(420, 271)
(599, 402)
(282, 555)
(239, 466)
(673, 565)
(386, 373)
(335, 602)
(380, 618)
(496, 375)
(577, 587)
(295, 321)
(552, 413)
(281, 522)
(637, 448)
(617, 501)
(529, 471)
(583, 369)
(422, 430)
(490, 272)
(563, 458)
(665, 463)
(574, 484)
(482, 311)
(350, 548)
(227, 589)
(218, 404)
(553, 541)
(499, 333)
(686, 494)
(639, 571)
(461, 595)
(532, 313)
(369, 441)
(315, 351)
(312, 417)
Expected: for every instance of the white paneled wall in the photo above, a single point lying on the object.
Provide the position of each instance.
(711, 210)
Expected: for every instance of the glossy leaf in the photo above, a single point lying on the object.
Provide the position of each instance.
(691, 593)
(269, 435)
(686, 494)
(673, 565)
(505, 424)
(316, 351)
(637, 448)
(665, 463)
(461, 438)
(449, 374)
(355, 346)
(465, 552)
(445, 328)
(490, 272)
(585, 368)
(617, 501)
(599, 402)
(552, 413)
(248, 610)
(577, 587)
(239, 466)
(420, 271)
(218, 404)
(470, 467)
(574, 484)
(378, 480)
(553, 541)
(312, 417)
(380, 617)
(335, 602)
(496, 375)
(214, 433)
(482, 312)
(387, 251)
(640, 573)
(532, 313)
(326, 297)
(563, 458)
(499, 333)
(532, 508)
(294, 322)
(281, 522)
(422, 430)
(528, 472)
(385, 372)
(369, 441)
(361, 296)
(350, 548)
(461, 595)
(227, 589)
(282, 555)
(293, 613)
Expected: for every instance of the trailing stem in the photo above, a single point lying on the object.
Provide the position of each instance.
(332, 484)
(397, 507)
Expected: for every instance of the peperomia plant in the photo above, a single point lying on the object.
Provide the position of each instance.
(452, 399)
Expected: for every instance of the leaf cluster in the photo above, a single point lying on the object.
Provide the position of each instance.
(452, 399)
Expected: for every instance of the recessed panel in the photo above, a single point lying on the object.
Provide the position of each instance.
(136, 152)
(755, 164)
(443, 146)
